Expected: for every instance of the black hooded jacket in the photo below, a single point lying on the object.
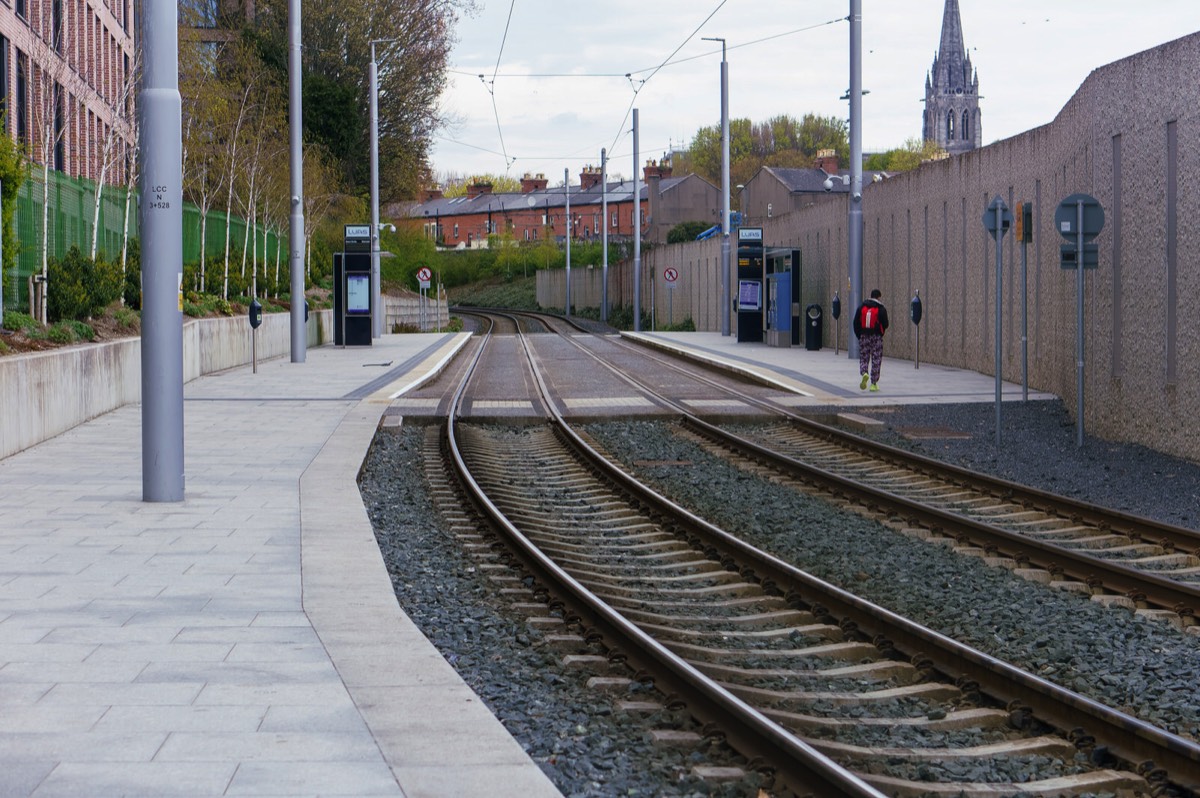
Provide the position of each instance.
(881, 324)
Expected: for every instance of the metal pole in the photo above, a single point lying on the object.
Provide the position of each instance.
(604, 234)
(637, 229)
(376, 291)
(1024, 320)
(1079, 324)
(161, 224)
(567, 189)
(299, 330)
(855, 223)
(2, 256)
(917, 364)
(999, 308)
(723, 294)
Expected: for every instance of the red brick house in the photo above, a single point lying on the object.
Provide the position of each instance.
(537, 210)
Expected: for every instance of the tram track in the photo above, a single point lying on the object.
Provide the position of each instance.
(641, 566)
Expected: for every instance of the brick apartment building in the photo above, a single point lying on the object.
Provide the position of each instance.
(537, 211)
(66, 82)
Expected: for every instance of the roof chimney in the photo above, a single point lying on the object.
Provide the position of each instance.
(477, 188)
(590, 176)
(430, 194)
(827, 161)
(530, 183)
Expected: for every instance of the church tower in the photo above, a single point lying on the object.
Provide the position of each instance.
(952, 91)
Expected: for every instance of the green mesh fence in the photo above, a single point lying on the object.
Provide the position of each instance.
(69, 215)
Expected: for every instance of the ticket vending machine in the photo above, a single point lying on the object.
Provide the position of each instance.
(782, 273)
(352, 288)
(748, 301)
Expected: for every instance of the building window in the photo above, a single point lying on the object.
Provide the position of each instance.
(614, 219)
(456, 232)
(966, 127)
(22, 98)
(950, 126)
(21, 10)
(4, 78)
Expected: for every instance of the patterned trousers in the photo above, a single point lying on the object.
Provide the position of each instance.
(870, 355)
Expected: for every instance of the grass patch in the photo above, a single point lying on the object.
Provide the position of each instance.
(519, 293)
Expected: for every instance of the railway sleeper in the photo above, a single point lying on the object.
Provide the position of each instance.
(1045, 745)
(734, 589)
(639, 576)
(1098, 781)
(955, 720)
(842, 652)
(795, 617)
(878, 670)
(651, 563)
(641, 540)
(928, 691)
(748, 600)
(822, 631)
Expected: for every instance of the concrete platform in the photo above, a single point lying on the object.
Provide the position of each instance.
(246, 641)
(823, 377)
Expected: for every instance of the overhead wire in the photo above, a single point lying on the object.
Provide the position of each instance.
(629, 76)
(633, 99)
(508, 162)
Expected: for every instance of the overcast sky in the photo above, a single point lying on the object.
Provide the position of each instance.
(560, 91)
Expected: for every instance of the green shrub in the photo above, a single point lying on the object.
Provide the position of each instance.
(194, 310)
(22, 322)
(61, 333)
(81, 330)
(126, 319)
(80, 287)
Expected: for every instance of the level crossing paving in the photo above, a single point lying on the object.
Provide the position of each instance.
(247, 640)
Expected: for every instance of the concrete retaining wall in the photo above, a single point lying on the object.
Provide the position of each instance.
(44, 394)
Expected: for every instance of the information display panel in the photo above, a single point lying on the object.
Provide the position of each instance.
(358, 294)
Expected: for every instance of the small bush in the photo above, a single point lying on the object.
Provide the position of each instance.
(194, 310)
(81, 330)
(22, 322)
(126, 319)
(61, 333)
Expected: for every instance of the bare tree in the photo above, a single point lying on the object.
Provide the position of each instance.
(115, 138)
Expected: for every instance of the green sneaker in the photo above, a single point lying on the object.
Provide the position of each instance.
(862, 386)
(875, 387)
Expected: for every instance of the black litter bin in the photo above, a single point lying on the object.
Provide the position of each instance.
(812, 327)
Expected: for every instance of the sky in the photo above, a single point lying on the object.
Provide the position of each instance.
(560, 77)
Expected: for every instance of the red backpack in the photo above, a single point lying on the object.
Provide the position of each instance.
(869, 320)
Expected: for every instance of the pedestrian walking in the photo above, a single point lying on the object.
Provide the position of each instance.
(870, 323)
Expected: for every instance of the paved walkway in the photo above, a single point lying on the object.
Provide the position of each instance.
(245, 641)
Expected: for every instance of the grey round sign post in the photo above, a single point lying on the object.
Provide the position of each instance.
(997, 218)
(1079, 218)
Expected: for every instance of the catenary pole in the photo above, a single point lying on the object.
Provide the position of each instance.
(299, 330)
(723, 294)
(161, 210)
(604, 234)
(376, 291)
(637, 229)
(855, 222)
(567, 191)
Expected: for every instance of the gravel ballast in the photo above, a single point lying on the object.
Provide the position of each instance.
(1145, 667)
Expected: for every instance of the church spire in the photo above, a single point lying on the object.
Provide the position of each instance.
(952, 90)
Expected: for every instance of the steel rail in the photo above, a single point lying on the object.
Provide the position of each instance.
(797, 765)
(1164, 592)
(1129, 738)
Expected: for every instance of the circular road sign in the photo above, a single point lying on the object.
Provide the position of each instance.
(670, 275)
(424, 274)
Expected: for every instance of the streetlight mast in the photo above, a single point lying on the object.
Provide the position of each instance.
(723, 294)
(855, 222)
